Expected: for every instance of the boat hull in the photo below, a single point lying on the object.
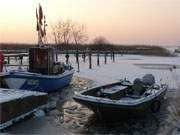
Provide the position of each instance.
(114, 111)
(38, 82)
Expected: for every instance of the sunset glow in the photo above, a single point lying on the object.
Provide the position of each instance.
(120, 21)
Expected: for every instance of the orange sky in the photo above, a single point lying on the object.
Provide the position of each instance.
(120, 21)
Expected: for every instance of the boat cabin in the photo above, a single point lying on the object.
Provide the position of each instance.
(41, 60)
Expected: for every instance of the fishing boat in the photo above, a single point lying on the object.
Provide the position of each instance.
(44, 73)
(124, 98)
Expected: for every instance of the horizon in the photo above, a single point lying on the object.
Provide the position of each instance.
(128, 22)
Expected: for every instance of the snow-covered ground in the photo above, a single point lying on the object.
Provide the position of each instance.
(130, 67)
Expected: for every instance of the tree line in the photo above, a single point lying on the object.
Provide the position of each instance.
(69, 35)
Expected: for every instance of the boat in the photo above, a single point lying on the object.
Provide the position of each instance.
(44, 72)
(123, 98)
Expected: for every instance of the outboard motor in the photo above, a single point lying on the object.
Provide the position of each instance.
(148, 79)
(138, 87)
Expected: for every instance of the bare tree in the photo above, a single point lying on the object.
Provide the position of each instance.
(57, 33)
(54, 34)
(61, 31)
(68, 31)
(78, 33)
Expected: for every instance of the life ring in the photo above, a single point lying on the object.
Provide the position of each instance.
(155, 106)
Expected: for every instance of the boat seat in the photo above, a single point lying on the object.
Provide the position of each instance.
(115, 92)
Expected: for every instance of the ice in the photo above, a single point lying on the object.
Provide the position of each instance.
(127, 66)
(39, 113)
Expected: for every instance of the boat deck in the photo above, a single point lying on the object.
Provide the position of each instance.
(17, 104)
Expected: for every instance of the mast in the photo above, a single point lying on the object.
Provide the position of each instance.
(41, 26)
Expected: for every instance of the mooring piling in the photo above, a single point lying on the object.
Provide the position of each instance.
(90, 60)
(8, 60)
(105, 58)
(84, 56)
(77, 60)
(56, 55)
(98, 63)
(21, 59)
(113, 56)
(67, 58)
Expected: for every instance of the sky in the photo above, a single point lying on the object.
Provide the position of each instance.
(154, 22)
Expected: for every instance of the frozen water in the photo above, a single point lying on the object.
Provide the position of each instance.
(127, 66)
(39, 113)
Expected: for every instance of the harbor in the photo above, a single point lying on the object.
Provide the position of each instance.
(70, 116)
(62, 82)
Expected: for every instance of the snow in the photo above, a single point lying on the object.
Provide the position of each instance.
(11, 94)
(127, 66)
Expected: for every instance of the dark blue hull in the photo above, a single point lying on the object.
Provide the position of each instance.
(38, 82)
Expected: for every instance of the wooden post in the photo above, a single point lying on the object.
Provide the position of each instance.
(8, 60)
(21, 60)
(67, 58)
(56, 55)
(84, 57)
(77, 60)
(105, 58)
(90, 60)
(113, 56)
(98, 58)
(76, 56)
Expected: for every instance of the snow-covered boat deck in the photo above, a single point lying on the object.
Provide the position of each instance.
(16, 104)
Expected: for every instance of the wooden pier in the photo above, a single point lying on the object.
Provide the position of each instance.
(16, 105)
(85, 55)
